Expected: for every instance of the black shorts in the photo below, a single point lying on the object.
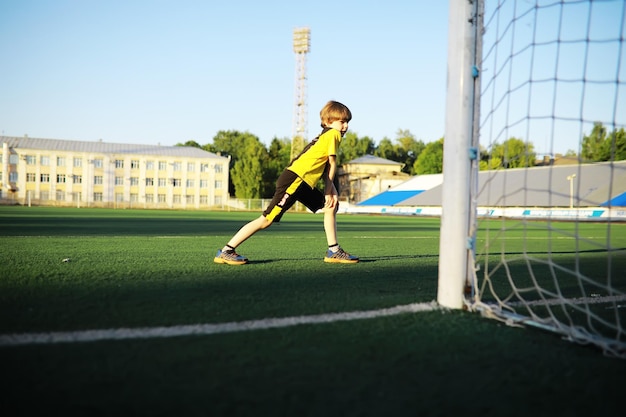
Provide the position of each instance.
(289, 189)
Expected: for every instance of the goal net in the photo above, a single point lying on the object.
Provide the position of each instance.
(545, 237)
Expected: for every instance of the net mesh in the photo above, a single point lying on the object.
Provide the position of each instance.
(550, 237)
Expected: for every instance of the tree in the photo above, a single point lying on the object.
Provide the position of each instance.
(248, 157)
(430, 160)
(386, 149)
(279, 156)
(191, 143)
(617, 146)
(514, 153)
(353, 147)
(599, 145)
(593, 144)
(489, 163)
(247, 174)
(408, 150)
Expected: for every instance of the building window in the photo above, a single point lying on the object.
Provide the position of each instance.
(149, 165)
(176, 182)
(44, 178)
(218, 184)
(44, 160)
(149, 198)
(60, 161)
(13, 159)
(119, 180)
(149, 182)
(77, 196)
(162, 182)
(134, 164)
(31, 177)
(217, 200)
(219, 168)
(78, 162)
(97, 196)
(191, 167)
(31, 160)
(97, 180)
(44, 195)
(176, 166)
(161, 198)
(60, 179)
(190, 183)
(162, 165)
(77, 179)
(13, 176)
(189, 198)
(204, 183)
(134, 181)
(97, 163)
(176, 199)
(204, 199)
(119, 163)
(134, 198)
(204, 167)
(60, 195)
(119, 197)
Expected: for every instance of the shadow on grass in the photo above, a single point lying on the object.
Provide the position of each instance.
(362, 260)
(221, 293)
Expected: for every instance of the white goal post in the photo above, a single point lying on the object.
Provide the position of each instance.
(456, 244)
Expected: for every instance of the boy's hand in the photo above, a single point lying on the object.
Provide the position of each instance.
(331, 200)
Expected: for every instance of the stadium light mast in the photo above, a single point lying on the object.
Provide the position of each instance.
(301, 47)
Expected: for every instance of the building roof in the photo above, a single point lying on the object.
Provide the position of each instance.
(104, 147)
(372, 160)
(404, 191)
(594, 185)
(390, 198)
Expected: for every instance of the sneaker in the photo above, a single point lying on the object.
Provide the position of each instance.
(229, 257)
(340, 257)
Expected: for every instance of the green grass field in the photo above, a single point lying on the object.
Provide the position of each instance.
(136, 269)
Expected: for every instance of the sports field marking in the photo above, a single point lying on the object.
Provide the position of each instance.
(594, 299)
(206, 329)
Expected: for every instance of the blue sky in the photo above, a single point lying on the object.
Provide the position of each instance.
(157, 71)
(169, 71)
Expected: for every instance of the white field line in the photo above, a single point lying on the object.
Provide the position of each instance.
(205, 329)
(577, 301)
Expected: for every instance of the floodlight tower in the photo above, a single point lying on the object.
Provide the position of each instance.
(301, 46)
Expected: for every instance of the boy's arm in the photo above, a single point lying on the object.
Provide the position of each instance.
(330, 192)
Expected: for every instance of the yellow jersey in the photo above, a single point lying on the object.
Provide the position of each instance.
(311, 162)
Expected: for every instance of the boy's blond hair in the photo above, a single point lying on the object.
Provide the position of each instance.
(333, 110)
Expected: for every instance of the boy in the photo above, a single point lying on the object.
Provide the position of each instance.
(297, 183)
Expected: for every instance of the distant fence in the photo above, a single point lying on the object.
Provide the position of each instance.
(232, 204)
(259, 204)
(586, 213)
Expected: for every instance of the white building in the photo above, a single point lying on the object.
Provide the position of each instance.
(99, 174)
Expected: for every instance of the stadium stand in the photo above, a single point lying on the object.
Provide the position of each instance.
(595, 185)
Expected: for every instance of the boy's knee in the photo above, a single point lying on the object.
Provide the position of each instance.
(264, 222)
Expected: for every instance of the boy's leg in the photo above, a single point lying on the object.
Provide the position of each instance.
(330, 225)
(248, 230)
(227, 254)
(286, 185)
(335, 253)
(314, 200)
